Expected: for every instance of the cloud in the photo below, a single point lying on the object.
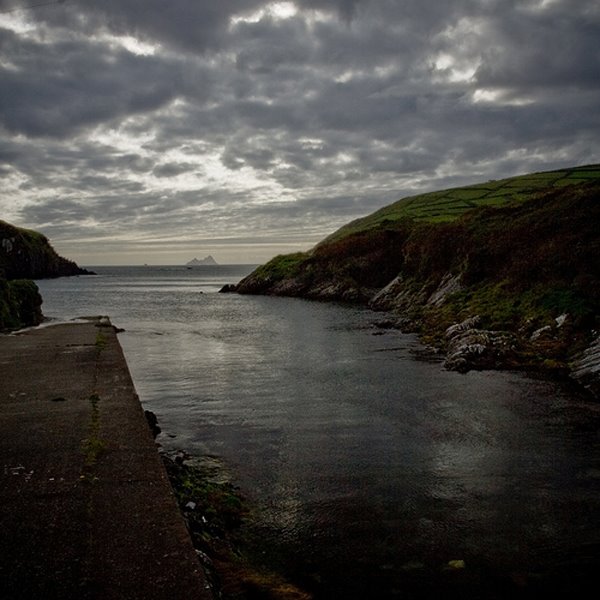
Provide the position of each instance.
(248, 119)
(59, 88)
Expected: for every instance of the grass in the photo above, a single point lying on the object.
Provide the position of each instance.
(92, 446)
(101, 341)
(282, 265)
(448, 205)
(20, 304)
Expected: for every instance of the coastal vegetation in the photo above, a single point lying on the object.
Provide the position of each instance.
(92, 445)
(26, 255)
(448, 205)
(20, 304)
(519, 256)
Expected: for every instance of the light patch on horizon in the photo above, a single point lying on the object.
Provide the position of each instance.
(131, 44)
(274, 10)
(453, 70)
(118, 141)
(501, 97)
(540, 5)
(17, 22)
(460, 57)
(12, 196)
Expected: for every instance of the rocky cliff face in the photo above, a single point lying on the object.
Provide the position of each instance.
(586, 367)
(26, 254)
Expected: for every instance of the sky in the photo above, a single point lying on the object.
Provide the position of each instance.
(156, 131)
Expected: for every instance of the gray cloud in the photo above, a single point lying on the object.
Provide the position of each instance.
(58, 89)
(247, 119)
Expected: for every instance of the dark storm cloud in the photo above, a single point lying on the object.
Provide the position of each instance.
(553, 48)
(172, 169)
(57, 89)
(266, 117)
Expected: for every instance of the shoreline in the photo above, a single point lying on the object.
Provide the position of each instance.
(217, 514)
(464, 346)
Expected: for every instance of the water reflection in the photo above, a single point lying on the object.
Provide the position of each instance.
(372, 470)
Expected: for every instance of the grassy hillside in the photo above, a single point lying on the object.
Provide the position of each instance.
(448, 205)
(376, 241)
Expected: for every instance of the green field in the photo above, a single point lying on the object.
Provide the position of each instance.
(448, 205)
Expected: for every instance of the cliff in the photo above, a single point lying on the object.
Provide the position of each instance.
(494, 282)
(26, 255)
(20, 304)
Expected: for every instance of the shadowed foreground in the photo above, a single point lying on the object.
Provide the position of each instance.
(87, 510)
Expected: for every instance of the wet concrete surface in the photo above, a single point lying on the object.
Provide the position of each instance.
(87, 510)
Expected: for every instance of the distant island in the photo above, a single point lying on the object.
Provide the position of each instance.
(208, 260)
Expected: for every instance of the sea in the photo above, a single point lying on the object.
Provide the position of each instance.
(373, 472)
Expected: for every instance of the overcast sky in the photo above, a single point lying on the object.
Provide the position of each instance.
(153, 131)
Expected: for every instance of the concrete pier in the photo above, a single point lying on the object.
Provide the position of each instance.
(87, 511)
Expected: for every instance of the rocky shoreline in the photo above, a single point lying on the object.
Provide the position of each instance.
(511, 286)
(466, 345)
(216, 514)
(586, 369)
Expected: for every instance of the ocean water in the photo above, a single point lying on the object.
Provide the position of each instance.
(371, 467)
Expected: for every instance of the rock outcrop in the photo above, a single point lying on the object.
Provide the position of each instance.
(408, 296)
(586, 368)
(400, 295)
(206, 261)
(471, 348)
(228, 288)
(20, 304)
(450, 284)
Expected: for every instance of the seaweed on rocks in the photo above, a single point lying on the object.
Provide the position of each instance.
(216, 512)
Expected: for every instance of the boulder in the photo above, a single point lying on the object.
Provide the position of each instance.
(467, 324)
(481, 349)
(450, 284)
(586, 369)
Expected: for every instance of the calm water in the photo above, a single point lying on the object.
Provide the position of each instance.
(371, 468)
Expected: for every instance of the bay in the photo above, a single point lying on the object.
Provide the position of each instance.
(373, 471)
